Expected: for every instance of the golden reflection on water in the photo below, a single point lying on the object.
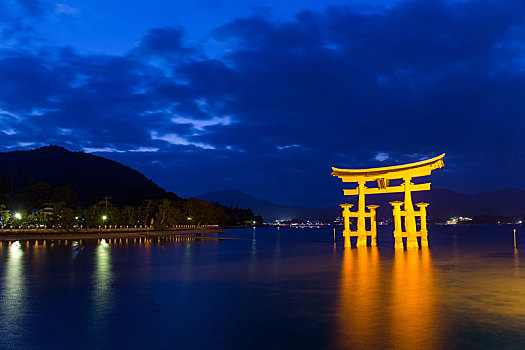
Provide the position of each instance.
(414, 311)
(360, 288)
(516, 263)
(387, 306)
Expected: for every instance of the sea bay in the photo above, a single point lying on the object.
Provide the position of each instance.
(268, 288)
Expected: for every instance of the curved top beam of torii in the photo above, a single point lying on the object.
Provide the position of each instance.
(422, 168)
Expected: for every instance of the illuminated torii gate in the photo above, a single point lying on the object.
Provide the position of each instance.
(383, 176)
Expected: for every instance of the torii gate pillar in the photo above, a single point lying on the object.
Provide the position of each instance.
(346, 217)
(423, 231)
(361, 216)
(410, 219)
(373, 224)
(361, 224)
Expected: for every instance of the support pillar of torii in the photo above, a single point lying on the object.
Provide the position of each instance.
(361, 232)
(382, 177)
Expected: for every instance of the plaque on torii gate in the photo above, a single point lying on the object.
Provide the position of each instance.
(383, 176)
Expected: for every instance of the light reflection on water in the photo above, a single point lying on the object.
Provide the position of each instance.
(102, 297)
(253, 257)
(516, 263)
(415, 318)
(359, 295)
(187, 263)
(387, 303)
(273, 288)
(13, 295)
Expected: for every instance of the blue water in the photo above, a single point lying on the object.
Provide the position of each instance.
(269, 289)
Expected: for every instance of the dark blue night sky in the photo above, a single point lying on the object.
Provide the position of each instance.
(266, 97)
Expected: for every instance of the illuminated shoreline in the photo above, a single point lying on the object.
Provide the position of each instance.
(100, 234)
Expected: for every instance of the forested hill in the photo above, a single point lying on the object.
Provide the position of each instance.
(91, 177)
(81, 189)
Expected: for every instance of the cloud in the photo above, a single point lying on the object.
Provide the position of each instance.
(101, 150)
(175, 139)
(201, 125)
(145, 149)
(343, 87)
(288, 147)
(65, 9)
(381, 156)
(163, 40)
(35, 8)
(115, 150)
(9, 131)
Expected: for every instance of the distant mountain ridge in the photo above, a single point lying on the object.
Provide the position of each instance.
(268, 210)
(443, 203)
(91, 177)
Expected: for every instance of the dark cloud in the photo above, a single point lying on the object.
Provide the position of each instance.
(278, 103)
(16, 35)
(163, 40)
(35, 8)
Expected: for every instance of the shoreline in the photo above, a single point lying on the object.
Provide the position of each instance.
(28, 236)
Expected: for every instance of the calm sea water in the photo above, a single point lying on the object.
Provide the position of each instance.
(270, 289)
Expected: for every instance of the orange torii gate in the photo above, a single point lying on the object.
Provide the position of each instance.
(383, 176)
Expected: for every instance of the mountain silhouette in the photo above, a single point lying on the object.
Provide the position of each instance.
(90, 176)
(268, 210)
(444, 203)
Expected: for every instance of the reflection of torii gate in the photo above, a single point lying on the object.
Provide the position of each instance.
(383, 176)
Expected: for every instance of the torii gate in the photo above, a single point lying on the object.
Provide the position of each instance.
(383, 176)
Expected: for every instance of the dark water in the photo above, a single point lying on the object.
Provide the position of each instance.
(273, 289)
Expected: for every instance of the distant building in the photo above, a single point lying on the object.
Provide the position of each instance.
(458, 220)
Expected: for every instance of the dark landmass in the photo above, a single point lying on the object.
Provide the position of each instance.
(91, 177)
(268, 210)
(52, 187)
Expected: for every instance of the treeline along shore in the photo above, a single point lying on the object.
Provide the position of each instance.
(39, 207)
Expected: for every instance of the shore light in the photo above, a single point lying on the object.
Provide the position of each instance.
(104, 217)
(189, 218)
(18, 215)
